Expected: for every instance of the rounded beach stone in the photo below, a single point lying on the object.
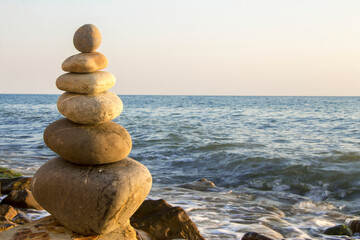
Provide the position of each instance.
(88, 83)
(89, 145)
(85, 62)
(87, 38)
(90, 109)
(91, 199)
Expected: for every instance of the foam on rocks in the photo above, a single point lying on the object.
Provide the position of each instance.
(92, 188)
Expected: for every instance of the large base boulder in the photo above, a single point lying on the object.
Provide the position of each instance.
(91, 199)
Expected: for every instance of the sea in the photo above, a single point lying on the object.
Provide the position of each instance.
(286, 167)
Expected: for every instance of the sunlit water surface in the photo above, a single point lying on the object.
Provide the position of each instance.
(282, 165)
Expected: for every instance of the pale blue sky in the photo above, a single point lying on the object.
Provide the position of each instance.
(208, 47)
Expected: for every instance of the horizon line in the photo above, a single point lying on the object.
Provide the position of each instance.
(197, 95)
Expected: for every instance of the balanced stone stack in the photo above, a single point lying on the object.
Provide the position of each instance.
(92, 187)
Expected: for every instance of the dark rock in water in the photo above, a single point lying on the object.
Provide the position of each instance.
(21, 199)
(339, 230)
(201, 185)
(10, 184)
(354, 225)
(6, 181)
(163, 221)
(254, 236)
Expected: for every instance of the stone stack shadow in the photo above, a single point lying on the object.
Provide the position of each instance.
(92, 187)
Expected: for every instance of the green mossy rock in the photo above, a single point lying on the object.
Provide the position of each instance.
(339, 230)
(7, 173)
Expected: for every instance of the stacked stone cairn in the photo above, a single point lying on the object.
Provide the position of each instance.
(92, 188)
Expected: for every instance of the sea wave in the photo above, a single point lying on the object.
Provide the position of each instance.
(268, 156)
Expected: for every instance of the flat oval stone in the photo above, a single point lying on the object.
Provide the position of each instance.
(91, 199)
(89, 145)
(87, 38)
(85, 62)
(88, 83)
(90, 109)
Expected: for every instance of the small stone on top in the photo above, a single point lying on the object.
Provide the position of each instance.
(87, 38)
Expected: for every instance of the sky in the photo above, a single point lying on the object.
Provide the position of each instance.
(189, 47)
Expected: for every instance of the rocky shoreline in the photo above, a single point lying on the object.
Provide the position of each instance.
(21, 217)
(155, 219)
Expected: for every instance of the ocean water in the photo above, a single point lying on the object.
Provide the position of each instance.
(283, 166)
